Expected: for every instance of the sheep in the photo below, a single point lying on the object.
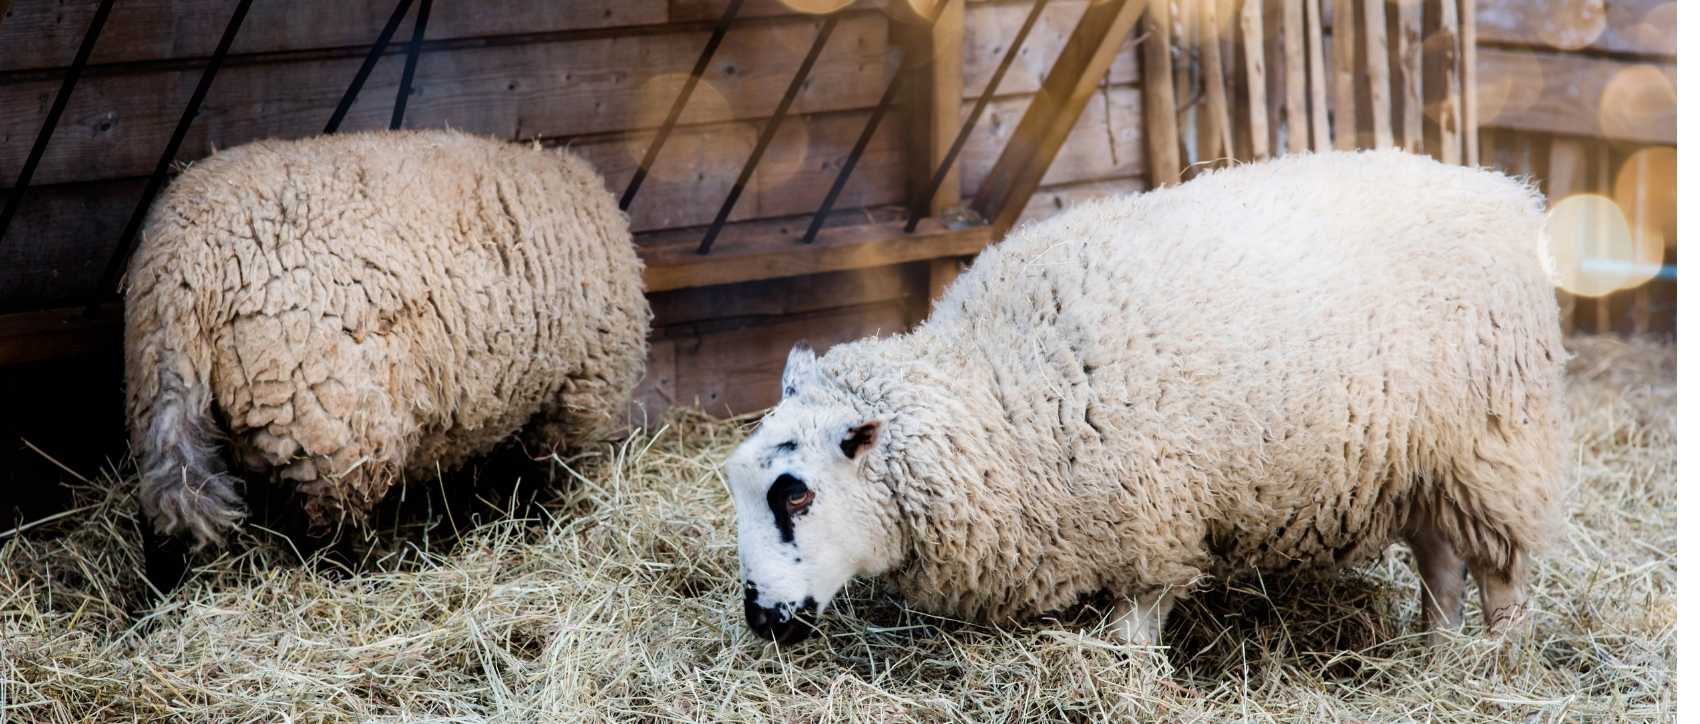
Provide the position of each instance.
(1283, 364)
(350, 309)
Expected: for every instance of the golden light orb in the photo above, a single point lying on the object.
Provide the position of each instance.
(1570, 24)
(1590, 249)
(1639, 102)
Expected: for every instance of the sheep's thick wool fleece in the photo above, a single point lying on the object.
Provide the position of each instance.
(1268, 366)
(365, 304)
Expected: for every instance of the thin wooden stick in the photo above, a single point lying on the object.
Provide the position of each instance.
(1215, 89)
(1317, 77)
(1257, 105)
(1293, 68)
(1408, 48)
(1472, 109)
(1444, 94)
(1345, 75)
(1380, 94)
(1190, 124)
(1162, 138)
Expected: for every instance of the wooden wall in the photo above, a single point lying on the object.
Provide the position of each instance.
(599, 75)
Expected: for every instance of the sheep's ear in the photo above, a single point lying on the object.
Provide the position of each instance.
(860, 438)
(799, 369)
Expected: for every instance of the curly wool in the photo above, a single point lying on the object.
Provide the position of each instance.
(1276, 365)
(352, 308)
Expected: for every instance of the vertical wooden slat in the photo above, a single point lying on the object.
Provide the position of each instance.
(1467, 76)
(1604, 176)
(1162, 139)
(1317, 78)
(1567, 169)
(1293, 69)
(1221, 142)
(1183, 18)
(1257, 104)
(1408, 48)
(1375, 62)
(1345, 75)
(1440, 65)
(935, 99)
(1071, 82)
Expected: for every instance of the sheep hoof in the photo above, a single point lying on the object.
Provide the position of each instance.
(1139, 622)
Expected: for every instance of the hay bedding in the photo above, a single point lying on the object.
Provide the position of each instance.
(618, 598)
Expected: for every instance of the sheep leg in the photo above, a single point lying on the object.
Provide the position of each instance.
(1139, 621)
(1505, 604)
(1443, 578)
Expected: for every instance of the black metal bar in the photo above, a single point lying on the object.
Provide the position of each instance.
(867, 136)
(678, 108)
(926, 199)
(81, 60)
(406, 87)
(372, 56)
(767, 133)
(126, 240)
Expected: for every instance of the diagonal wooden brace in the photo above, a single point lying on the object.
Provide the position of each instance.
(1049, 119)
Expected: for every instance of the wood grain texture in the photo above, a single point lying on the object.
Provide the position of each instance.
(1316, 77)
(1163, 142)
(934, 89)
(1376, 65)
(1256, 80)
(1219, 133)
(1345, 74)
(1293, 69)
(1442, 96)
(1573, 95)
(1407, 74)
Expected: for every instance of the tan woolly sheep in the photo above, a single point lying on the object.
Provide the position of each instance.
(349, 309)
(1283, 364)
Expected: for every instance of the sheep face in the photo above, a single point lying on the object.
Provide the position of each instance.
(809, 519)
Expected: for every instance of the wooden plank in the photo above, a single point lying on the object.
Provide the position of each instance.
(1293, 69)
(1106, 142)
(1567, 169)
(1345, 75)
(1585, 96)
(1051, 116)
(58, 334)
(1408, 73)
(1442, 95)
(1053, 200)
(1635, 27)
(1375, 62)
(683, 312)
(990, 26)
(658, 390)
(1605, 176)
(1187, 92)
(940, 274)
(116, 123)
(935, 100)
(1467, 77)
(1257, 105)
(1157, 74)
(1215, 85)
(1318, 77)
(737, 371)
(767, 251)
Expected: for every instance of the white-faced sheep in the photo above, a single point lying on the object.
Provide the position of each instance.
(1288, 363)
(349, 309)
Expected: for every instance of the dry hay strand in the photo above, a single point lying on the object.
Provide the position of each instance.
(618, 598)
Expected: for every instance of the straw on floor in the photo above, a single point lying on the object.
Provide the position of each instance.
(617, 597)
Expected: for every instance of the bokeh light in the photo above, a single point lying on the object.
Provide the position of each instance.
(1639, 102)
(1590, 249)
(1655, 29)
(1646, 191)
(1569, 24)
(678, 159)
(1513, 90)
(817, 7)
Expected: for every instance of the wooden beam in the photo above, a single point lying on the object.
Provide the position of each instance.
(1157, 79)
(1442, 93)
(1317, 79)
(1408, 49)
(1293, 69)
(1375, 62)
(53, 334)
(1567, 169)
(768, 250)
(1073, 79)
(1467, 76)
(1345, 75)
(935, 102)
(1221, 138)
(1256, 80)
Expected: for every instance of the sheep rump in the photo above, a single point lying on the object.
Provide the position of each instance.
(350, 309)
(1289, 363)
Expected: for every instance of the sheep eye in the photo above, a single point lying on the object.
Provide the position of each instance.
(798, 500)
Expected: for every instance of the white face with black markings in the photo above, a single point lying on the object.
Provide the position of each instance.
(809, 520)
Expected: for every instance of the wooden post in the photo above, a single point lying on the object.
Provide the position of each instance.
(1257, 88)
(1293, 69)
(1604, 177)
(1162, 140)
(1440, 66)
(1221, 142)
(1567, 168)
(1183, 17)
(1375, 57)
(1317, 78)
(1467, 76)
(935, 100)
(1345, 75)
(1408, 48)
(1071, 82)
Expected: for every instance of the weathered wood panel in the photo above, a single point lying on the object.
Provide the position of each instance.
(1636, 100)
(117, 123)
(1641, 27)
(990, 26)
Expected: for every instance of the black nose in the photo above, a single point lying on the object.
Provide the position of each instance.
(783, 623)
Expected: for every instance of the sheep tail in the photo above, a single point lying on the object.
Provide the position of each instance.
(185, 488)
